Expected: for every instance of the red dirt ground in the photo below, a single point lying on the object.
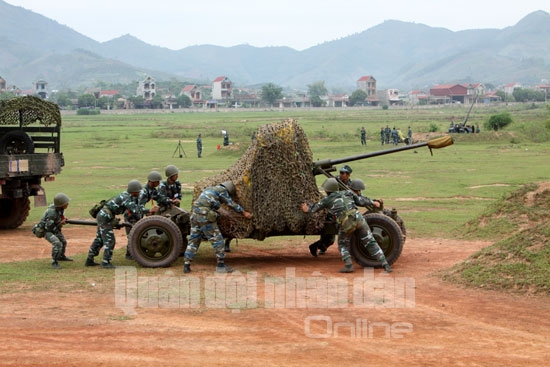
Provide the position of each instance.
(444, 325)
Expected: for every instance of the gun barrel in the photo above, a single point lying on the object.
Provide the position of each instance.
(82, 222)
(327, 164)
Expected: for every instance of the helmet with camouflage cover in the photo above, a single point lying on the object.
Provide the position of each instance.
(134, 186)
(346, 169)
(331, 185)
(229, 186)
(60, 199)
(171, 170)
(154, 176)
(357, 185)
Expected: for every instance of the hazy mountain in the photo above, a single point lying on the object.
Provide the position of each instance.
(398, 54)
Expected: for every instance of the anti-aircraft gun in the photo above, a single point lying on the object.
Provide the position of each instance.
(462, 128)
(272, 178)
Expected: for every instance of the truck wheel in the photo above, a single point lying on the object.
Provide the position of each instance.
(16, 142)
(155, 242)
(389, 238)
(13, 212)
(399, 222)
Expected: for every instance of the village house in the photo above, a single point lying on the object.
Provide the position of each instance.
(456, 93)
(194, 93)
(222, 88)
(146, 88)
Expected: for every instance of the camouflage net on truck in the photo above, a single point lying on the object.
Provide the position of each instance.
(27, 110)
(272, 178)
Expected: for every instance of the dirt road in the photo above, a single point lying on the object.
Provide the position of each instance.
(285, 308)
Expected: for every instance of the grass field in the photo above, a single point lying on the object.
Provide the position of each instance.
(434, 194)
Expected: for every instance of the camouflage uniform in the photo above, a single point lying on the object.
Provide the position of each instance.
(124, 203)
(147, 194)
(167, 192)
(199, 146)
(387, 133)
(363, 136)
(204, 221)
(339, 203)
(382, 136)
(51, 221)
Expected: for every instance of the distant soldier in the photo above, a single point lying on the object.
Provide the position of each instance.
(50, 225)
(199, 146)
(126, 201)
(395, 136)
(409, 136)
(387, 134)
(350, 221)
(382, 136)
(204, 223)
(225, 139)
(363, 136)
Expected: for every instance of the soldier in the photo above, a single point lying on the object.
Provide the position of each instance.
(225, 139)
(169, 191)
(395, 136)
(327, 240)
(51, 223)
(350, 221)
(363, 136)
(148, 193)
(204, 223)
(199, 145)
(382, 136)
(387, 133)
(409, 136)
(106, 219)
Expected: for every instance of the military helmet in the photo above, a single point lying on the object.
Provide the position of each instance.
(154, 176)
(134, 186)
(357, 185)
(346, 169)
(331, 185)
(60, 199)
(229, 186)
(171, 170)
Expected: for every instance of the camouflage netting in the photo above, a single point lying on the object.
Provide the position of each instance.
(27, 110)
(272, 178)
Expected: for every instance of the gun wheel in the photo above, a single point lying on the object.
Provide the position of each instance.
(155, 242)
(389, 237)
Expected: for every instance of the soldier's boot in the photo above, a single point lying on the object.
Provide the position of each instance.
(186, 268)
(128, 255)
(223, 268)
(227, 246)
(107, 265)
(387, 268)
(90, 261)
(55, 265)
(313, 249)
(348, 267)
(62, 257)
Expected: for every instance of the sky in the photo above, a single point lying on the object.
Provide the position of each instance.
(299, 24)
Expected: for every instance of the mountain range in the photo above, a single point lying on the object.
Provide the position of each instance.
(397, 54)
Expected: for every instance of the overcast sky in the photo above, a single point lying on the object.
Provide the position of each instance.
(299, 24)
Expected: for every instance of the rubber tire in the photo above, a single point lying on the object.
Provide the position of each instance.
(399, 222)
(13, 212)
(155, 242)
(388, 235)
(19, 139)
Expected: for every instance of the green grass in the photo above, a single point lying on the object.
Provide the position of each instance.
(435, 195)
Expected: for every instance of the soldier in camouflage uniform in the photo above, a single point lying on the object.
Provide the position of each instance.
(327, 240)
(382, 136)
(204, 224)
(148, 193)
(350, 221)
(169, 196)
(52, 221)
(126, 201)
(387, 134)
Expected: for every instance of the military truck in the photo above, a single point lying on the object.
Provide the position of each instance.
(30, 151)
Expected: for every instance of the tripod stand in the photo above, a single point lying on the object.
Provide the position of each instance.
(180, 150)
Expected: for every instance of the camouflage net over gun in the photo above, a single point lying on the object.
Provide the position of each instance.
(27, 110)
(272, 178)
